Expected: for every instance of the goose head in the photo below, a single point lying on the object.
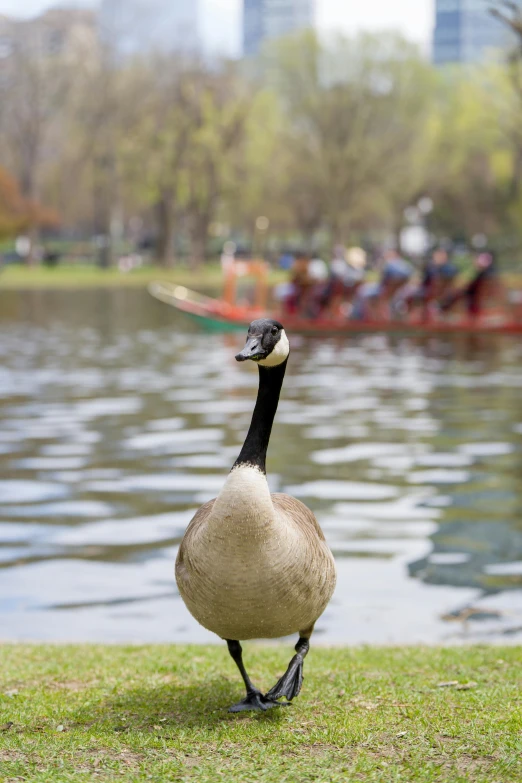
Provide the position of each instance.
(266, 343)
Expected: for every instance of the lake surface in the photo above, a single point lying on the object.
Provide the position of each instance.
(118, 419)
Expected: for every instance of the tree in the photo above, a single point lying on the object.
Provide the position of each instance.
(510, 14)
(256, 171)
(190, 125)
(355, 113)
(161, 114)
(18, 214)
(208, 176)
(32, 91)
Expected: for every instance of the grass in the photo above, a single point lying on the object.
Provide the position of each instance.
(159, 713)
(87, 276)
(15, 277)
(71, 276)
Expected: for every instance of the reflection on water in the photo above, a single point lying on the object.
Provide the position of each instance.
(118, 421)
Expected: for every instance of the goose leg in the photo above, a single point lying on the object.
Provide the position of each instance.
(289, 686)
(254, 699)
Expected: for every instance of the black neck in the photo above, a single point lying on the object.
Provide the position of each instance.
(256, 443)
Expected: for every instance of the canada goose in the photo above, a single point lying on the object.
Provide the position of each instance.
(254, 565)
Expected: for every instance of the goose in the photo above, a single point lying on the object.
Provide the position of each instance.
(255, 565)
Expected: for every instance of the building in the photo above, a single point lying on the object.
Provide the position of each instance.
(140, 26)
(191, 26)
(56, 33)
(269, 19)
(466, 32)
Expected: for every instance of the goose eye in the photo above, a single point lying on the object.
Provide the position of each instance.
(274, 330)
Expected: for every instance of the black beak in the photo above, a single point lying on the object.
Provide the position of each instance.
(252, 350)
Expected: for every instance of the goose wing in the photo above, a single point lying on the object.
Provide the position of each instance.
(300, 514)
(186, 546)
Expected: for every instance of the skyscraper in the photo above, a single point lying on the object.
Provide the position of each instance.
(465, 31)
(136, 26)
(192, 26)
(268, 19)
(58, 32)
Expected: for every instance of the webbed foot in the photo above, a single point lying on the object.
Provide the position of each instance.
(290, 684)
(254, 702)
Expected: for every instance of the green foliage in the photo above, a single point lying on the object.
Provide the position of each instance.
(361, 129)
(159, 713)
(328, 137)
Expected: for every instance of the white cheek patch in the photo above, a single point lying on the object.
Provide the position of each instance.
(279, 354)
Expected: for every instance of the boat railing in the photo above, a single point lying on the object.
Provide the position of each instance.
(239, 270)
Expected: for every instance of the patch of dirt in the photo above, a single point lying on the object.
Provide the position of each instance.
(316, 750)
(191, 761)
(11, 755)
(386, 753)
(446, 739)
(469, 764)
(364, 704)
(74, 686)
(375, 675)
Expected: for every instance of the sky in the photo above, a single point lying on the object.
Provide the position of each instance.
(413, 17)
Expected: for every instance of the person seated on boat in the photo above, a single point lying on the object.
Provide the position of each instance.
(482, 288)
(396, 271)
(318, 274)
(286, 260)
(376, 301)
(438, 280)
(347, 270)
(283, 293)
(295, 294)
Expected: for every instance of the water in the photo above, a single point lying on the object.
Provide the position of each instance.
(119, 420)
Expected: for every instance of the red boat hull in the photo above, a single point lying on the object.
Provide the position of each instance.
(218, 315)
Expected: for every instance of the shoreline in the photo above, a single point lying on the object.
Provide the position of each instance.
(80, 277)
(15, 278)
(273, 644)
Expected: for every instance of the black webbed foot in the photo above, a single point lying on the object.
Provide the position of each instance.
(254, 702)
(290, 684)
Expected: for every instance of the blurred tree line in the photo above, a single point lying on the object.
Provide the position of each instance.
(331, 140)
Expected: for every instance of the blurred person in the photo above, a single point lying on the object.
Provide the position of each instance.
(347, 271)
(338, 262)
(395, 268)
(377, 301)
(51, 258)
(356, 260)
(437, 282)
(318, 270)
(286, 260)
(318, 273)
(439, 271)
(348, 266)
(482, 287)
(129, 262)
(295, 294)
(484, 283)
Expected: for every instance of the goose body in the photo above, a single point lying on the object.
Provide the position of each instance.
(255, 565)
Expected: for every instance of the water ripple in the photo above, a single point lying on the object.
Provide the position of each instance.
(117, 421)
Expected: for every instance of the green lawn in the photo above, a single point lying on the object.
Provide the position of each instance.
(89, 276)
(159, 713)
(85, 276)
